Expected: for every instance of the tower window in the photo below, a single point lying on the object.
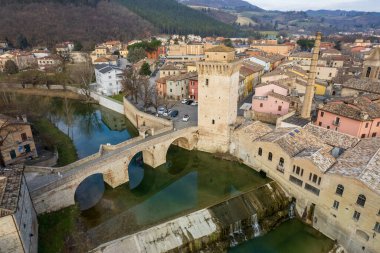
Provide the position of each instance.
(336, 205)
(270, 156)
(339, 190)
(213, 121)
(206, 82)
(361, 200)
(368, 72)
(356, 216)
(260, 152)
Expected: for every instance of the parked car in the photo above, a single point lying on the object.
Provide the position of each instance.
(184, 101)
(161, 110)
(173, 113)
(194, 103)
(189, 102)
(186, 118)
(167, 112)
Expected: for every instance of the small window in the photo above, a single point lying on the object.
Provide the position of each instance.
(279, 108)
(298, 170)
(368, 72)
(339, 190)
(328, 127)
(301, 172)
(24, 137)
(319, 180)
(206, 82)
(377, 227)
(270, 156)
(378, 124)
(366, 125)
(213, 122)
(261, 104)
(320, 123)
(310, 175)
(322, 113)
(336, 205)
(356, 216)
(363, 136)
(315, 177)
(281, 162)
(260, 152)
(361, 200)
(373, 134)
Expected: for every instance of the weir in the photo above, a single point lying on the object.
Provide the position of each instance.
(213, 229)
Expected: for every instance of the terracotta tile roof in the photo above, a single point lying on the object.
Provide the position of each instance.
(360, 108)
(220, 48)
(302, 55)
(362, 163)
(253, 66)
(332, 138)
(244, 71)
(169, 67)
(254, 130)
(10, 182)
(299, 143)
(365, 85)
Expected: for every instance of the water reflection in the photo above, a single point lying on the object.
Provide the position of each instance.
(89, 192)
(136, 171)
(90, 125)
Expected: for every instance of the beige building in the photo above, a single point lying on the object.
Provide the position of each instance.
(169, 70)
(18, 219)
(218, 78)
(371, 66)
(273, 49)
(18, 143)
(332, 177)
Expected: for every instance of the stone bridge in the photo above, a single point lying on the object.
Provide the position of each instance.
(58, 191)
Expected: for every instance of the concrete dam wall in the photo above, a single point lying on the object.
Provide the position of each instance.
(213, 229)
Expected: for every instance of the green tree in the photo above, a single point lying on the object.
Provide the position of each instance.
(77, 46)
(136, 54)
(21, 42)
(145, 69)
(306, 45)
(228, 43)
(10, 67)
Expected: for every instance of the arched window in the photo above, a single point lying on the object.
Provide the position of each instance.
(369, 69)
(260, 152)
(339, 189)
(361, 200)
(270, 156)
(281, 162)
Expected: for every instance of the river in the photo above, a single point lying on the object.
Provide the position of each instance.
(189, 181)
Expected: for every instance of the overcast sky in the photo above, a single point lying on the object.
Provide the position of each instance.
(360, 5)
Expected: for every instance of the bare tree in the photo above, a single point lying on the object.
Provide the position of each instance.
(159, 101)
(146, 92)
(83, 76)
(131, 82)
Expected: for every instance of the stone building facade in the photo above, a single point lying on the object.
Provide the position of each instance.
(218, 78)
(332, 177)
(18, 219)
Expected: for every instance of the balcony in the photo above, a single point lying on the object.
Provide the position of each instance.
(336, 122)
(280, 168)
(260, 97)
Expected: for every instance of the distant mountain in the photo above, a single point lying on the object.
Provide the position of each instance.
(238, 5)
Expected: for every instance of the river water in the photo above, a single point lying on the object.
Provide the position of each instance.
(189, 181)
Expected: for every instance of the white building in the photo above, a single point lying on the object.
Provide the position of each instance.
(108, 79)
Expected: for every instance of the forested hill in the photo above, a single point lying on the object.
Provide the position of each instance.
(172, 17)
(90, 21)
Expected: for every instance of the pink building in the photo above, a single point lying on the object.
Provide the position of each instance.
(161, 86)
(273, 99)
(358, 117)
(193, 87)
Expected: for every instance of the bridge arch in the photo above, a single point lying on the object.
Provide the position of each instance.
(90, 191)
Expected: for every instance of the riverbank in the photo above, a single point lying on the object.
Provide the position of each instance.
(52, 137)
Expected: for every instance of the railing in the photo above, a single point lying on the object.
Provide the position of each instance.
(260, 97)
(280, 168)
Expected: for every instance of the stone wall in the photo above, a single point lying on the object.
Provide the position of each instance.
(109, 103)
(139, 118)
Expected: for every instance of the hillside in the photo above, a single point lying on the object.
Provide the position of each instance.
(46, 22)
(172, 17)
(238, 5)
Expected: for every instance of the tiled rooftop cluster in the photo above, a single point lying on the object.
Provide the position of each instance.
(365, 85)
(360, 108)
(10, 181)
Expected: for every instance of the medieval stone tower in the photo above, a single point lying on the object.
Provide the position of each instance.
(218, 80)
(309, 94)
(371, 65)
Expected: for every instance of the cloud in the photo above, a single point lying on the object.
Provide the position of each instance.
(360, 5)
